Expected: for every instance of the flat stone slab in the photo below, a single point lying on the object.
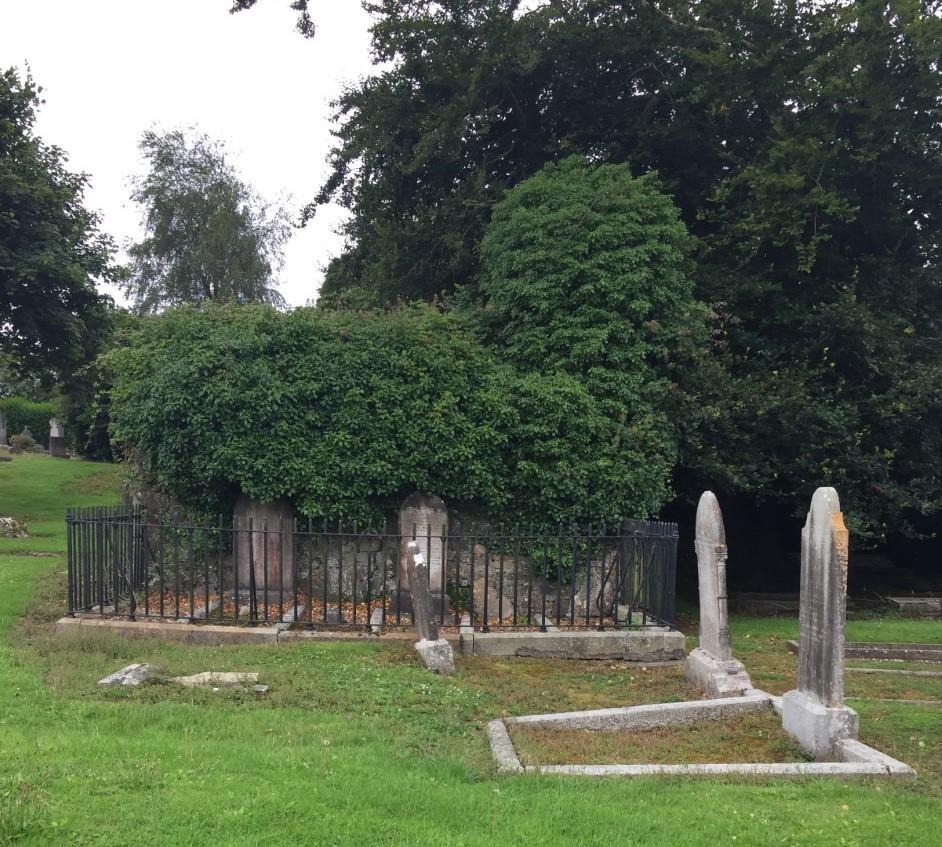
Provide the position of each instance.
(131, 675)
(647, 645)
(888, 650)
(650, 715)
(778, 769)
(216, 679)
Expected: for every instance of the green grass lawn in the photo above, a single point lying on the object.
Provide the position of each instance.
(357, 745)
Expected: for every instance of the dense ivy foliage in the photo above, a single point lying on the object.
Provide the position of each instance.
(345, 413)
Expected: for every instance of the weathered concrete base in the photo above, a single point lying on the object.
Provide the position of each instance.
(817, 728)
(714, 677)
(647, 645)
(886, 651)
(502, 748)
(216, 679)
(436, 655)
(650, 715)
(720, 769)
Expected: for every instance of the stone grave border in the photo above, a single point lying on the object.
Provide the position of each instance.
(854, 758)
(813, 714)
(890, 651)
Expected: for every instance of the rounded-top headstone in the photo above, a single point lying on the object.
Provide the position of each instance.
(824, 559)
(711, 572)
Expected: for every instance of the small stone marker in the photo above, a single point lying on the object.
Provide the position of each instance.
(57, 439)
(814, 714)
(436, 652)
(3, 428)
(711, 666)
(130, 675)
(272, 547)
(5, 454)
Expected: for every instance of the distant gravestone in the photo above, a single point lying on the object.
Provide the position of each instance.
(424, 518)
(265, 547)
(57, 439)
(814, 714)
(711, 666)
(5, 454)
(436, 652)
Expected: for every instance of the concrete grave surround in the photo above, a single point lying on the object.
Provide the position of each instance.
(258, 548)
(814, 714)
(711, 666)
(426, 517)
(851, 757)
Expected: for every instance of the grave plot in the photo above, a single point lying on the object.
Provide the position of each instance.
(813, 716)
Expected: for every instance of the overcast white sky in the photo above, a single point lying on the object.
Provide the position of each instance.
(112, 68)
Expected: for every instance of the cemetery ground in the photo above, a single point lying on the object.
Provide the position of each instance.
(358, 744)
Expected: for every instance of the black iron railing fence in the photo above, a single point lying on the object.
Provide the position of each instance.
(124, 562)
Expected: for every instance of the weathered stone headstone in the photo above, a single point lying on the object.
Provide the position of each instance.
(269, 554)
(711, 666)
(5, 454)
(814, 714)
(57, 439)
(436, 652)
(424, 518)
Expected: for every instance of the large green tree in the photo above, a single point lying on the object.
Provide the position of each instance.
(209, 236)
(52, 253)
(801, 142)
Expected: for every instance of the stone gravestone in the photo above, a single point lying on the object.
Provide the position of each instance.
(424, 518)
(435, 651)
(5, 455)
(711, 666)
(814, 714)
(268, 553)
(57, 439)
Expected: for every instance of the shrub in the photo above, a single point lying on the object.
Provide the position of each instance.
(22, 413)
(345, 413)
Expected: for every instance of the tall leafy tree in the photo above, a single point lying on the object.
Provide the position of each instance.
(209, 236)
(802, 144)
(52, 252)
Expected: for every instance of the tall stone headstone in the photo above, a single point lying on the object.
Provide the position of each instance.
(814, 714)
(424, 518)
(711, 665)
(5, 455)
(436, 652)
(265, 547)
(57, 439)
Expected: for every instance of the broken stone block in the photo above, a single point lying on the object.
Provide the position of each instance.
(130, 675)
(437, 655)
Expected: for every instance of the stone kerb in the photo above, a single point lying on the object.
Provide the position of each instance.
(711, 666)
(814, 713)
